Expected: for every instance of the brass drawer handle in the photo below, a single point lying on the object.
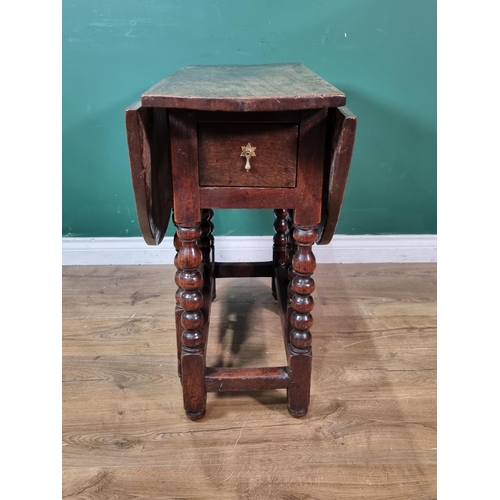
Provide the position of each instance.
(248, 151)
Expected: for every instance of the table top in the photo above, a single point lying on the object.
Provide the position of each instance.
(263, 87)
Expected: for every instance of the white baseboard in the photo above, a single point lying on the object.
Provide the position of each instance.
(342, 249)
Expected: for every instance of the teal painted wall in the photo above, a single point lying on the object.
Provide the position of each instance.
(381, 53)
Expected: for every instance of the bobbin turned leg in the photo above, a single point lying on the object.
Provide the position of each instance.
(190, 299)
(178, 311)
(291, 248)
(279, 241)
(206, 245)
(302, 286)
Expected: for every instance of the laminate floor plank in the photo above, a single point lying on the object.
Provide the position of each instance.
(253, 482)
(371, 429)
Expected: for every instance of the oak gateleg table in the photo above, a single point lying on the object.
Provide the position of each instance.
(252, 136)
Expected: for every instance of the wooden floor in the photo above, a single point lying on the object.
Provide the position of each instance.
(371, 429)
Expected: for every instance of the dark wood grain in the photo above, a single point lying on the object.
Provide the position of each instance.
(178, 310)
(248, 117)
(148, 145)
(243, 269)
(238, 197)
(246, 379)
(190, 299)
(279, 243)
(300, 339)
(281, 287)
(221, 164)
(207, 247)
(280, 236)
(184, 146)
(310, 167)
(271, 87)
(339, 154)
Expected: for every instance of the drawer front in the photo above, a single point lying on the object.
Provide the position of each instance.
(220, 149)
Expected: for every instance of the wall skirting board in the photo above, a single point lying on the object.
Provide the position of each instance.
(342, 249)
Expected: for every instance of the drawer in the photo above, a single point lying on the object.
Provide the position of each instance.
(275, 162)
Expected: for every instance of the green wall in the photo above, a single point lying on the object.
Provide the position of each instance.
(381, 53)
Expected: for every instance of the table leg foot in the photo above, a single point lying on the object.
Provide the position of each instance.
(297, 413)
(196, 415)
